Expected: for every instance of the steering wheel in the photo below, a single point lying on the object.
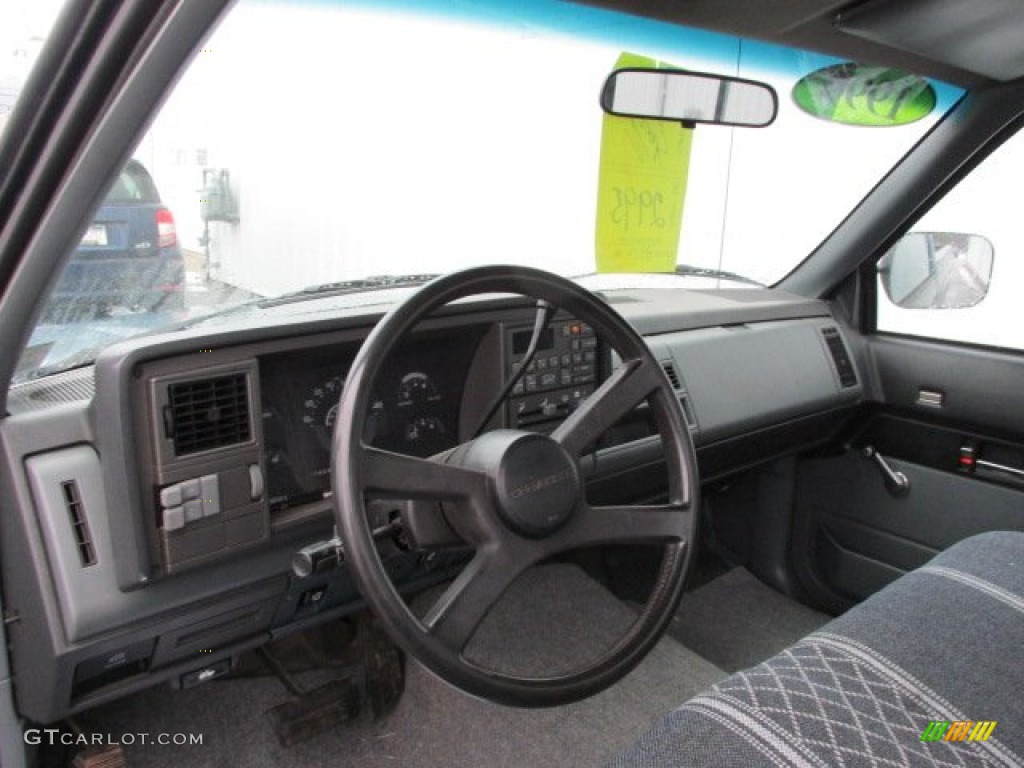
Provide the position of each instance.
(515, 497)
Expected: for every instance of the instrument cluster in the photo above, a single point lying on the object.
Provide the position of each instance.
(414, 409)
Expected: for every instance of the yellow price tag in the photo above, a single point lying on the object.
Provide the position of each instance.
(641, 189)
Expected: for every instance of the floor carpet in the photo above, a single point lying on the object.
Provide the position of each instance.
(737, 621)
(549, 620)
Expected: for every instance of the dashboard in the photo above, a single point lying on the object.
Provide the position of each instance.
(163, 492)
(417, 398)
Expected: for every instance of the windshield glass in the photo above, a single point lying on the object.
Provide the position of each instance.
(321, 143)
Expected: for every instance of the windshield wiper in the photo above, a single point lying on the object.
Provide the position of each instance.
(691, 271)
(686, 270)
(340, 288)
(81, 359)
(346, 286)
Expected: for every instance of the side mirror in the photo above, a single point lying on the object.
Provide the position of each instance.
(689, 97)
(937, 270)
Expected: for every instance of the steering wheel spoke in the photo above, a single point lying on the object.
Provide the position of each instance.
(628, 524)
(633, 381)
(459, 611)
(408, 477)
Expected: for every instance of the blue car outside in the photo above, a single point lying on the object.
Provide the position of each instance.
(129, 257)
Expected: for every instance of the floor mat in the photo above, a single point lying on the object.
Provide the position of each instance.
(737, 621)
(435, 724)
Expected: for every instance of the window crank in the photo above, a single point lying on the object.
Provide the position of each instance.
(897, 483)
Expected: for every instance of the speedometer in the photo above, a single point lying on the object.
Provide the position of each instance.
(320, 407)
(320, 410)
(416, 387)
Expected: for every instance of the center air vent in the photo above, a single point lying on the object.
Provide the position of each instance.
(207, 413)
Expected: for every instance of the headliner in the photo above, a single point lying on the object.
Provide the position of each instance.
(968, 43)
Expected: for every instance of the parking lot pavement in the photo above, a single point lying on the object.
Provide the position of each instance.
(66, 344)
(212, 294)
(207, 294)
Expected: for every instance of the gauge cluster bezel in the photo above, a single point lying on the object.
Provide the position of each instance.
(417, 404)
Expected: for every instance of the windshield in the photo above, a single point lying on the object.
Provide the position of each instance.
(322, 143)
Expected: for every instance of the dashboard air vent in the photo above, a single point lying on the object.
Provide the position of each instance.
(208, 413)
(840, 357)
(79, 525)
(670, 371)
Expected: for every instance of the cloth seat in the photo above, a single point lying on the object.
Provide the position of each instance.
(942, 644)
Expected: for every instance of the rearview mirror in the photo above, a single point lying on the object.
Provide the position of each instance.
(937, 270)
(689, 97)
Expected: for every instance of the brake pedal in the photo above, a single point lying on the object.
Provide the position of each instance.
(96, 755)
(376, 679)
(383, 670)
(110, 756)
(309, 713)
(312, 713)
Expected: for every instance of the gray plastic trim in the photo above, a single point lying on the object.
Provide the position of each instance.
(74, 584)
(70, 387)
(922, 27)
(743, 377)
(12, 752)
(74, 607)
(980, 387)
(654, 312)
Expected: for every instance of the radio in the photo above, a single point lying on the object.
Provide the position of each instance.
(563, 372)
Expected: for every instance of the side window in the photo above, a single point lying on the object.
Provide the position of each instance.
(959, 274)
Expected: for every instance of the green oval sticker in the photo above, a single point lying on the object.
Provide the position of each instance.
(857, 94)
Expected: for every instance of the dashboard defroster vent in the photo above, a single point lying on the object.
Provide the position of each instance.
(840, 357)
(79, 525)
(208, 413)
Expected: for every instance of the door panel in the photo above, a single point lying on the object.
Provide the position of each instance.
(962, 458)
(981, 388)
(866, 537)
